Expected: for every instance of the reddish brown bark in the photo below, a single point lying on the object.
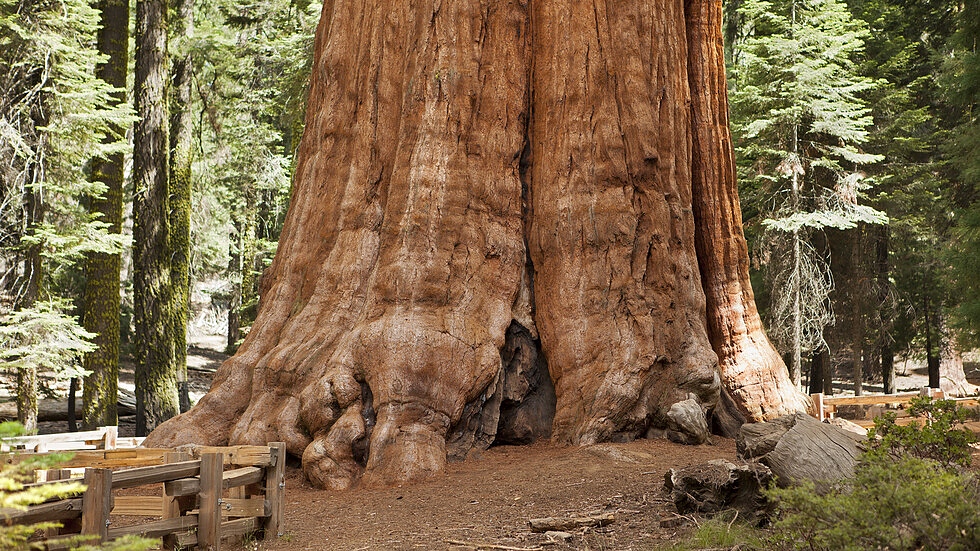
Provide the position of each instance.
(391, 293)
(617, 291)
(753, 374)
(477, 181)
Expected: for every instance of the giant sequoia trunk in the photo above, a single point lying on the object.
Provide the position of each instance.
(493, 233)
(754, 381)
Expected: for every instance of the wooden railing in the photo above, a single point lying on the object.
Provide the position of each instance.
(206, 494)
(825, 407)
(102, 438)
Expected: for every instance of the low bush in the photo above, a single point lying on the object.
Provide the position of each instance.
(910, 491)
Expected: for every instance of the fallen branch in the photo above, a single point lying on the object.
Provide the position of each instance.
(565, 524)
(484, 545)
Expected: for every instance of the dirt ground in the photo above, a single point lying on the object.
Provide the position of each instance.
(486, 502)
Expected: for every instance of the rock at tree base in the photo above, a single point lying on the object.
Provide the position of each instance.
(686, 423)
(718, 485)
(798, 447)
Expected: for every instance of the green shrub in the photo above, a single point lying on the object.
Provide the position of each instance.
(908, 492)
(897, 505)
(941, 438)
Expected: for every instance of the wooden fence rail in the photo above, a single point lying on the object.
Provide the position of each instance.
(825, 407)
(206, 495)
(102, 438)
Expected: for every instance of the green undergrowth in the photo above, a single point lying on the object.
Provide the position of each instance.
(912, 490)
(724, 531)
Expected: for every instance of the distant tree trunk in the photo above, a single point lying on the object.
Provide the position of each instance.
(751, 370)
(856, 293)
(469, 185)
(181, 138)
(933, 338)
(156, 370)
(72, 397)
(34, 217)
(884, 311)
(102, 300)
(235, 300)
(796, 316)
(816, 373)
(888, 369)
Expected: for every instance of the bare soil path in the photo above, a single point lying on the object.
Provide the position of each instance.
(486, 501)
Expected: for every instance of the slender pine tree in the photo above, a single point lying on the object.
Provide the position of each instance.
(799, 121)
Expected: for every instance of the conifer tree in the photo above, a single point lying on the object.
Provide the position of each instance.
(181, 136)
(55, 116)
(252, 66)
(799, 120)
(153, 287)
(963, 87)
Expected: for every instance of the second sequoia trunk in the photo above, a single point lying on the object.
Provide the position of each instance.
(486, 194)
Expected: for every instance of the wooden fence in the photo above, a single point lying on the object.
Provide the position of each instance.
(825, 407)
(202, 495)
(102, 438)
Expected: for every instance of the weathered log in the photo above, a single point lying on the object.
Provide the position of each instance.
(56, 409)
(798, 447)
(553, 524)
(718, 485)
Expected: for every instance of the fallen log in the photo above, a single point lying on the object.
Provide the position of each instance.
(798, 447)
(56, 409)
(552, 524)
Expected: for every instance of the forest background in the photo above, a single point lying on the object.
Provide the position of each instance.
(129, 182)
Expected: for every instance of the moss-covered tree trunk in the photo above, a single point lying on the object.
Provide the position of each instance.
(485, 192)
(181, 137)
(153, 289)
(102, 300)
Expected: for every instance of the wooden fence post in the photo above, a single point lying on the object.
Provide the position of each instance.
(275, 489)
(171, 504)
(818, 406)
(209, 520)
(111, 435)
(97, 503)
(52, 475)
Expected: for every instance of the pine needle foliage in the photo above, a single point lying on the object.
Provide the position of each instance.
(962, 85)
(253, 68)
(799, 121)
(55, 116)
(45, 337)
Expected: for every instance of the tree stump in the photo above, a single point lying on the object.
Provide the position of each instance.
(718, 485)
